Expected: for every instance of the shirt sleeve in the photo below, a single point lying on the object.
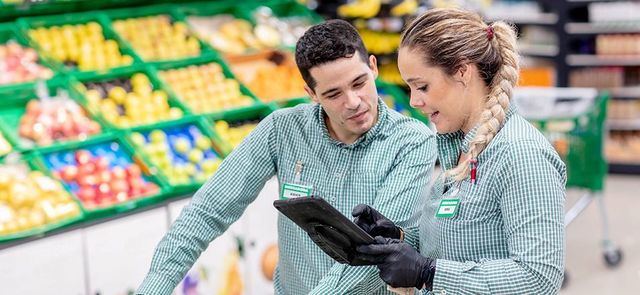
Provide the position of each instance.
(531, 191)
(399, 199)
(214, 207)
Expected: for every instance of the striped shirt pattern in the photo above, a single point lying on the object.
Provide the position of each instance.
(508, 234)
(387, 168)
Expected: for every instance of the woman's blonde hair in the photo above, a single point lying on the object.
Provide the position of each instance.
(450, 38)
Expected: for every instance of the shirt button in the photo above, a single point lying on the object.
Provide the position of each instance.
(444, 292)
(337, 175)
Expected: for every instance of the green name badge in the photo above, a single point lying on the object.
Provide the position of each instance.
(448, 208)
(290, 191)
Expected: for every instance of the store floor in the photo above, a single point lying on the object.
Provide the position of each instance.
(587, 270)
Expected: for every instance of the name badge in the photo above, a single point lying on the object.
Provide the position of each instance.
(290, 191)
(448, 208)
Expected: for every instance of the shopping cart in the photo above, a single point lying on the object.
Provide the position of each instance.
(573, 119)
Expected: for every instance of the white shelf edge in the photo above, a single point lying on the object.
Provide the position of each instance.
(599, 60)
(623, 124)
(539, 50)
(548, 18)
(602, 28)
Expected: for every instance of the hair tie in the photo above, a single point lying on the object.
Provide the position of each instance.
(490, 33)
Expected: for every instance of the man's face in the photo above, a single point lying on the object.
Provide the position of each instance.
(346, 90)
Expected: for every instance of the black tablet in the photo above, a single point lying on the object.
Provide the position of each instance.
(333, 232)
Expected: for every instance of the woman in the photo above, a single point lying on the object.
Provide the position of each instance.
(493, 224)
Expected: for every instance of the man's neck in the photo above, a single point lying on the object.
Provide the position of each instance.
(344, 137)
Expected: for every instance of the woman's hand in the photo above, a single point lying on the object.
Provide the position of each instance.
(374, 223)
(400, 265)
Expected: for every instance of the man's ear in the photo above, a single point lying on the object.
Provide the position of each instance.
(373, 64)
(311, 93)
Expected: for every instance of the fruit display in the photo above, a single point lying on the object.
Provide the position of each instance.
(183, 153)
(623, 147)
(234, 134)
(289, 29)
(231, 35)
(618, 44)
(5, 147)
(391, 102)
(624, 110)
(237, 36)
(269, 261)
(360, 9)
(232, 283)
(29, 200)
(158, 38)
(130, 102)
(205, 89)
(272, 76)
(49, 120)
(390, 74)
(20, 64)
(380, 42)
(102, 176)
(82, 46)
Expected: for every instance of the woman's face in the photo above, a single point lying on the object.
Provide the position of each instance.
(442, 97)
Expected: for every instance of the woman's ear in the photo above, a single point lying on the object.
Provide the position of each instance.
(463, 74)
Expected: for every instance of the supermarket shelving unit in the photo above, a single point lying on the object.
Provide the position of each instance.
(573, 27)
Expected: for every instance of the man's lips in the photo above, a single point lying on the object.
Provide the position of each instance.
(357, 116)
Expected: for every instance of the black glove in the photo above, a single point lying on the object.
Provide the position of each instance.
(400, 265)
(374, 223)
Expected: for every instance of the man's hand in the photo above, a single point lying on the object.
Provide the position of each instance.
(400, 265)
(374, 223)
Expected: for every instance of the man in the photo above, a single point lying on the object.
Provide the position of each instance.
(349, 149)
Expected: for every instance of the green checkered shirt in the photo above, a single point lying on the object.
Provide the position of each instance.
(387, 168)
(508, 234)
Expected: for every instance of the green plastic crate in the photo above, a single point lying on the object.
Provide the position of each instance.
(283, 9)
(77, 90)
(41, 230)
(579, 141)
(136, 12)
(8, 32)
(220, 148)
(293, 102)
(131, 156)
(13, 107)
(12, 10)
(240, 116)
(212, 9)
(27, 23)
(202, 61)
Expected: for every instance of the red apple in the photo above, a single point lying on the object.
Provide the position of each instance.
(69, 173)
(104, 176)
(87, 180)
(86, 169)
(121, 197)
(83, 157)
(134, 171)
(102, 163)
(119, 185)
(86, 194)
(118, 172)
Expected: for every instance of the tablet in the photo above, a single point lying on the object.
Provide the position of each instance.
(333, 232)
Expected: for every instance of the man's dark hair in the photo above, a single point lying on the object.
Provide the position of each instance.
(327, 42)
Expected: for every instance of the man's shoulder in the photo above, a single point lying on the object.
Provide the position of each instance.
(403, 126)
(298, 114)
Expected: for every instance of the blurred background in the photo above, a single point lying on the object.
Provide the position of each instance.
(114, 112)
